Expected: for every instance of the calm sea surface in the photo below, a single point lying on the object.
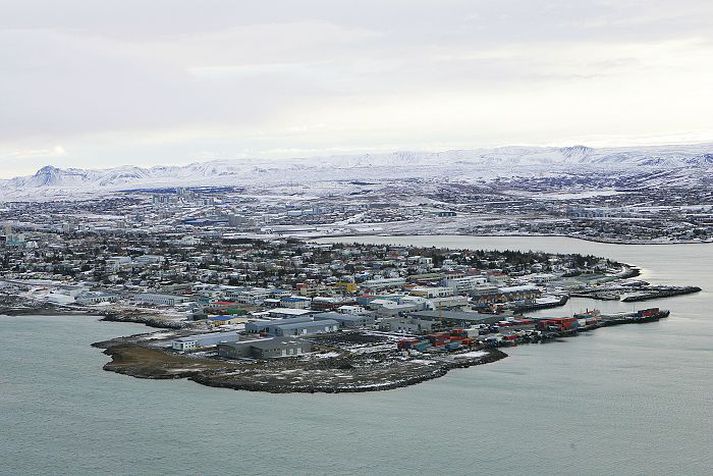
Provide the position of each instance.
(624, 400)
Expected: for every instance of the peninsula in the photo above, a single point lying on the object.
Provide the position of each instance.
(287, 315)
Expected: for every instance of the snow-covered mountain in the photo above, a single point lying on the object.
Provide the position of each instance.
(671, 165)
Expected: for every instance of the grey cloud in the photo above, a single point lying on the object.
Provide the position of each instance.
(97, 75)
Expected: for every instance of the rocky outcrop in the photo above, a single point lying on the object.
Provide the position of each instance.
(350, 373)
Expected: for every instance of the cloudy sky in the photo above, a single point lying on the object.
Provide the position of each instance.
(104, 83)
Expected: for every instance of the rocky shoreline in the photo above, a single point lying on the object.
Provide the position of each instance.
(342, 374)
(12, 309)
(334, 367)
(328, 370)
(148, 319)
(155, 320)
(341, 362)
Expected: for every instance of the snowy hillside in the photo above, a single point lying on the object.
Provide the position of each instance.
(672, 165)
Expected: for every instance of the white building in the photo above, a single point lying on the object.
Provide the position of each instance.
(160, 299)
(353, 310)
(465, 283)
(286, 312)
(432, 292)
(198, 341)
(115, 263)
(448, 301)
(96, 297)
(147, 260)
(252, 296)
(383, 283)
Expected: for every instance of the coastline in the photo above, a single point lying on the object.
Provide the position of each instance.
(46, 309)
(514, 235)
(149, 320)
(338, 375)
(322, 372)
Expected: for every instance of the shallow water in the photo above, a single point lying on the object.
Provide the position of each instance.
(625, 400)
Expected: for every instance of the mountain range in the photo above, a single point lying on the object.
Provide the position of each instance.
(682, 165)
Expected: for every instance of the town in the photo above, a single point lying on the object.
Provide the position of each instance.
(282, 314)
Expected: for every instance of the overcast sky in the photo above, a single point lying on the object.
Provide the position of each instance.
(99, 83)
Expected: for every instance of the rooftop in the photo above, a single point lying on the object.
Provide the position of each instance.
(453, 315)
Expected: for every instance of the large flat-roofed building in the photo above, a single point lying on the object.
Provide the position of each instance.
(465, 283)
(146, 260)
(286, 312)
(198, 341)
(324, 303)
(245, 295)
(383, 283)
(269, 325)
(295, 302)
(304, 328)
(491, 294)
(449, 302)
(347, 320)
(462, 318)
(235, 350)
(525, 291)
(406, 325)
(432, 291)
(96, 297)
(225, 320)
(275, 348)
(160, 299)
(271, 348)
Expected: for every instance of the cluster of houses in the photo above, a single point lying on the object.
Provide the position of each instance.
(279, 289)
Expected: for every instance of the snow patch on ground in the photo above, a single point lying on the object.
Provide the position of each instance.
(471, 355)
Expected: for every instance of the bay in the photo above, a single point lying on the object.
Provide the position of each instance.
(623, 400)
